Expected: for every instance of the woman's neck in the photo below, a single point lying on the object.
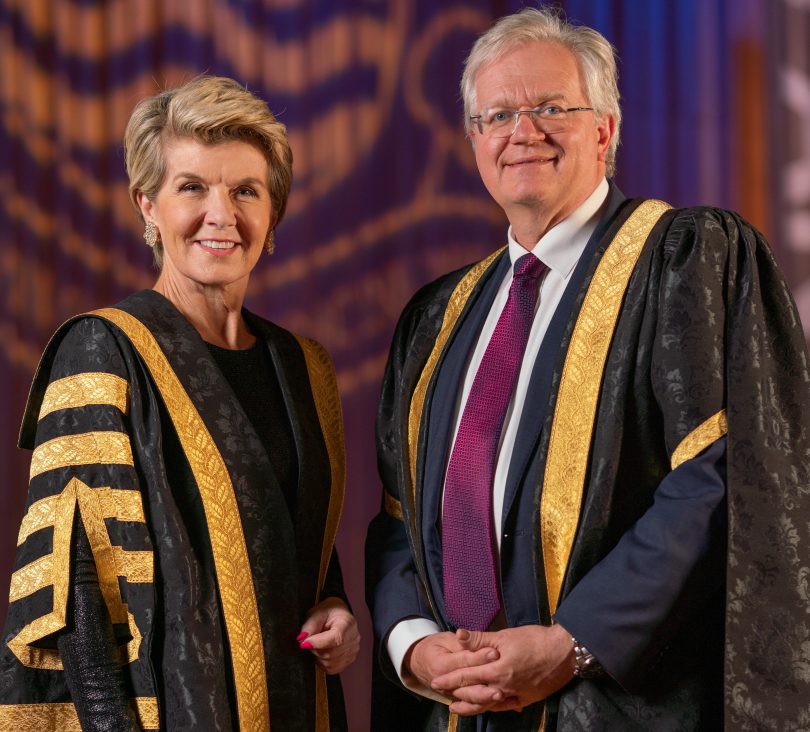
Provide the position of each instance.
(215, 312)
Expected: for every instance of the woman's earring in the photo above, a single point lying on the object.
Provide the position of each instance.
(150, 234)
(270, 241)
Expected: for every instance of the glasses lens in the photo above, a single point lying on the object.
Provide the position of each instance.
(504, 124)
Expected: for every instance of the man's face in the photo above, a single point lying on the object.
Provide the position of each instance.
(534, 176)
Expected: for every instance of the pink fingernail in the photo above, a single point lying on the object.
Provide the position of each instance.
(306, 645)
(301, 636)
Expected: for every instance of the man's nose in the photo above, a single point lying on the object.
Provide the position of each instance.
(526, 126)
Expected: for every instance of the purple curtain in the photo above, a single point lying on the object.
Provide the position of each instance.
(386, 195)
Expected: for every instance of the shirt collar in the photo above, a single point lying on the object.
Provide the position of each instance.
(562, 245)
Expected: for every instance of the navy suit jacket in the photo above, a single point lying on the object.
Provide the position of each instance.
(617, 608)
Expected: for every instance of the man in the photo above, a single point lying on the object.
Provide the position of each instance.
(593, 443)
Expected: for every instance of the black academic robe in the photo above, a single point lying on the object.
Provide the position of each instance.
(205, 574)
(680, 348)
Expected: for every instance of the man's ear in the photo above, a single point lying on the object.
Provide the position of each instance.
(605, 129)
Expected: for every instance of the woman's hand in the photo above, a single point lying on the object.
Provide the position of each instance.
(330, 634)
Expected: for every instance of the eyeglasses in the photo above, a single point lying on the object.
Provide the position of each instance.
(548, 118)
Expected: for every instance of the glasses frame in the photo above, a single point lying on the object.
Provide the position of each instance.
(533, 116)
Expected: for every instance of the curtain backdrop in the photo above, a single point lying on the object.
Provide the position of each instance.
(386, 195)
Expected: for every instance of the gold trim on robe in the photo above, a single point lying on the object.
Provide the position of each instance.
(455, 306)
(119, 504)
(89, 448)
(80, 390)
(323, 382)
(578, 393)
(700, 438)
(234, 577)
(54, 570)
(62, 717)
(392, 506)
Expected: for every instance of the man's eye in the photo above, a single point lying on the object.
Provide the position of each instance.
(550, 110)
(499, 115)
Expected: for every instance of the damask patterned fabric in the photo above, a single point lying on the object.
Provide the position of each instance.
(204, 572)
(707, 348)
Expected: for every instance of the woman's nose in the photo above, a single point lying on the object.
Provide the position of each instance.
(221, 211)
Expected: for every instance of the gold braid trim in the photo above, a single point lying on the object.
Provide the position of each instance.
(89, 448)
(455, 306)
(392, 506)
(62, 717)
(122, 505)
(83, 389)
(54, 569)
(578, 394)
(234, 577)
(700, 438)
(323, 382)
(30, 578)
(452, 722)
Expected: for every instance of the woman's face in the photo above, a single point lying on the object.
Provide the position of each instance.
(213, 213)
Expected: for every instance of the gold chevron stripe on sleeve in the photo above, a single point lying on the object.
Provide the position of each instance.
(62, 717)
(323, 382)
(89, 448)
(578, 393)
(700, 438)
(54, 570)
(234, 578)
(81, 390)
(30, 578)
(138, 567)
(392, 506)
(119, 504)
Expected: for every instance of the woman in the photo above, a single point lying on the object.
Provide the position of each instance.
(176, 559)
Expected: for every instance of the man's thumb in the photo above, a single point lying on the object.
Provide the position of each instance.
(471, 639)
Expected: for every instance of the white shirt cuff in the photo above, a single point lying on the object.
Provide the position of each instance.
(402, 636)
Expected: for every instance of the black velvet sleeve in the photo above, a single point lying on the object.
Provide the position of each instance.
(89, 651)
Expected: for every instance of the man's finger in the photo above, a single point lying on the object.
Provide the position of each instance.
(478, 694)
(467, 676)
(447, 662)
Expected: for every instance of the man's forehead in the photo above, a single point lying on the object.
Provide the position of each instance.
(534, 72)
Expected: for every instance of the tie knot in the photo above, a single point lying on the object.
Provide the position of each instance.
(529, 266)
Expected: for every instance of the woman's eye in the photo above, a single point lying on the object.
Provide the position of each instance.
(191, 187)
(246, 191)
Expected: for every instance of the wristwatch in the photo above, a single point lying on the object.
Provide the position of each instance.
(585, 664)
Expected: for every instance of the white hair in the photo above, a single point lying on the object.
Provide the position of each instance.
(594, 54)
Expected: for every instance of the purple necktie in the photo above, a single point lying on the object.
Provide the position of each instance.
(468, 538)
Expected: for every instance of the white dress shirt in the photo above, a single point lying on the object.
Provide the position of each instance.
(560, 249)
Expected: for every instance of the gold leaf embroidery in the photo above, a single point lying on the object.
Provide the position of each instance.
(54, 569)
(80, 390)
(234, 578)
(89, 448)
(119, 504)
(62, 717)
(700, 438)
(578, 394)
(323, 383)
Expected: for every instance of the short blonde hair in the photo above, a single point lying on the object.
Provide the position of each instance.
(594, 54)
(210, 110)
